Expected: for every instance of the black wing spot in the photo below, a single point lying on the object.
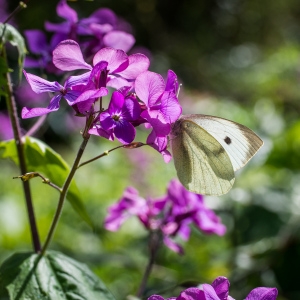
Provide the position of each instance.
(227, 140)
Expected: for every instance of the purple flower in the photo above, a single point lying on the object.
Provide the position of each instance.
(38, 45)
(162, 107)
(162, 104)
(171, 214)
(122, 70)
(219, 290)
(102, 25)
(40, 85)
(120, 112)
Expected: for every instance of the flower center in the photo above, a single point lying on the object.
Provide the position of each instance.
(116, 117)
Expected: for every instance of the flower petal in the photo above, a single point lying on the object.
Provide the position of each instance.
(117, 59)
(91, 95)
(66, 12)
(116, 103)
(149, 86)
(124, 132)
(209, 292)
(170, 107)
(36, 40)
(39, 111)
(119, 40)
(138, 63)
(172, 82)
(131, 109)
(191, 294)
(40, 85)
(67, 56)
(221, 285)
(263, 293)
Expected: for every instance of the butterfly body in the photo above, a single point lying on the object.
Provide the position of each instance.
(207, 150)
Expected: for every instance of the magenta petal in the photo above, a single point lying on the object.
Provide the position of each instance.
(67, 56)
(124, 132)
(158, 143)
(221, 285)
(149, 86)
(209, 292)
(131, 110)
(138, 63)
(39, 111)
(172, 82)
(40, 85)
(156, 297)
(117, 59)
(191, 294)
(77, 80)
(66, 12)
(106, 121)
(91, 94)
(100, 29)
(116, 103)
(263, 293)
(105, 15)
(118, 83)
(64, 27)
(36, 40)
(156, 119)
(170, 107)
(172, 245)
(119, 40)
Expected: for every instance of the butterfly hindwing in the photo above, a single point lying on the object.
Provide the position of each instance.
(202, 164)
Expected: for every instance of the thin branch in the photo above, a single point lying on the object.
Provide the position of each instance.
(154, 245)
(36, 126)
(105, 153)
(12, 110)
(64, 193)
(30, 175)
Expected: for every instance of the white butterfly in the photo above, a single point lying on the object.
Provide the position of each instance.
(207, 150)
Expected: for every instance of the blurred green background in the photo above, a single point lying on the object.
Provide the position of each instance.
(237, 59)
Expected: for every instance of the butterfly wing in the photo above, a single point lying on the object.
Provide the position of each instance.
(240, 142)
(202, 164)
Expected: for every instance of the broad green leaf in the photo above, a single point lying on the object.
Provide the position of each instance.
(11, 35)
(41, 158)
(54, 276)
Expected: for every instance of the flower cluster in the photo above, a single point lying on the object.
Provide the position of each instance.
(139, 96)
(101, 29)
(171, 214)
(219, 290)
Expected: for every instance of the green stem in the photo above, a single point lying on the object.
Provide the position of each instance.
(154, 244)
(105, 153)
(12, 111)
(64, 192)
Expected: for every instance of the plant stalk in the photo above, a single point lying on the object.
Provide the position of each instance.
(64, 191)
(154, 244)
(12, 111)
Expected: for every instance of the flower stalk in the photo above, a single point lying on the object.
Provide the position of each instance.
(64, 191)
(155, 240)
(12, 111)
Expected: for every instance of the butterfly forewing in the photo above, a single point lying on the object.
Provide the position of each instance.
(240, 142)
(202, 164)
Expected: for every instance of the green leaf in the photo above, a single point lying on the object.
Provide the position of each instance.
(54, 276)
(41, 158)
(11, 35)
